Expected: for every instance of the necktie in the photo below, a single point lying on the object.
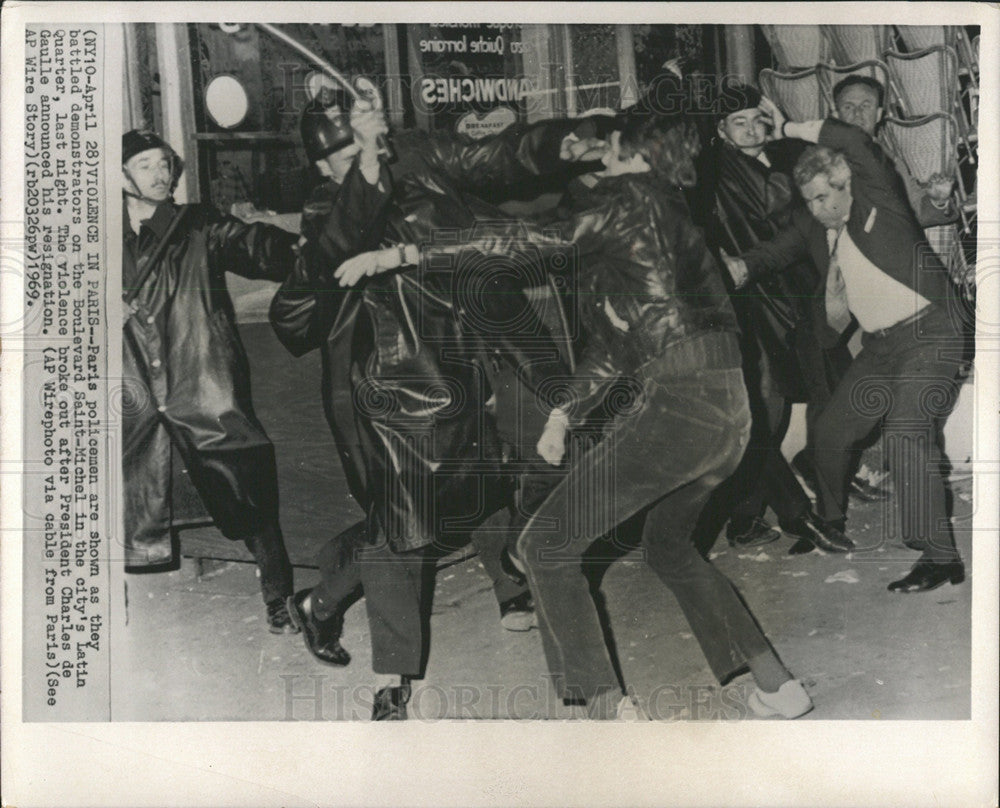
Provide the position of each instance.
(838, 315)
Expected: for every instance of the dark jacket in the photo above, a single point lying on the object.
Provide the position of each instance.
(644, 274)
(406, 355)
(752, 202)
(882, 225)
(187, 376)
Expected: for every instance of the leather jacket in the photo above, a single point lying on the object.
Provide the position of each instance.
(752, 203)
(406, 355)
(643, 272)
(187, 376)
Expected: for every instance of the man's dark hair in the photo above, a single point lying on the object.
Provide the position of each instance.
(864, 81)
(669, 143)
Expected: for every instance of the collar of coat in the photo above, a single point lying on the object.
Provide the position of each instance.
(158, 222)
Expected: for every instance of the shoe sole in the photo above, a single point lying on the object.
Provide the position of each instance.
(293, 612)
(288, 628)
(798, 538)
(763, 710)
(736, 544)
(519, 621)
(952, 581)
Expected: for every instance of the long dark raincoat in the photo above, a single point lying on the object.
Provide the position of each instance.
(187, 380)
(407, 355)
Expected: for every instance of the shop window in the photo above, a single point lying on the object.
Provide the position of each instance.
(468, 78)
(259, 158)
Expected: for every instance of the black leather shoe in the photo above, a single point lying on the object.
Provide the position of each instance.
(754, 533)
(390, 703)
(518, 613)
(927, 575)
(321, 638)
(864, 491)
(812, 532)
(278, 619)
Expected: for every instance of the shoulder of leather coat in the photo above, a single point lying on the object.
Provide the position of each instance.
(199, 214)
(318, 204)
(159, 222)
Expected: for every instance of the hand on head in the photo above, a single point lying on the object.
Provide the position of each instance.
(772, 115)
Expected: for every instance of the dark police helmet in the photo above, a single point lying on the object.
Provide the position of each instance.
(137, 141)
(325, 129)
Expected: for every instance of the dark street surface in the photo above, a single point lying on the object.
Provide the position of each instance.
(198, 649)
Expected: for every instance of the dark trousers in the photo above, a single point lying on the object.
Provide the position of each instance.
(398, 589)
(234, 472)
(267, 546)
(237, 484)
(687, 434)
(764, 477)
(904, 382)
(821, 370)
(395, 586)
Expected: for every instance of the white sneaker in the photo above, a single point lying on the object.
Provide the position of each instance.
(630, 710)
(790, 701)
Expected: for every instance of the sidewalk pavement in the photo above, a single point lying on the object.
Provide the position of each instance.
(196, 647)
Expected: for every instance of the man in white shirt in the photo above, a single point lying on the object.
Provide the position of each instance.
(747, 182)
(877, 271)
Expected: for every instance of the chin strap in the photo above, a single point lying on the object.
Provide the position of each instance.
(142, 198)
(135, 185)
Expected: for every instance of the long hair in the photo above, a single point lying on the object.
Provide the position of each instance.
(669, 143)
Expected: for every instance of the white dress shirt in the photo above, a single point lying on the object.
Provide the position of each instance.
(877, 300)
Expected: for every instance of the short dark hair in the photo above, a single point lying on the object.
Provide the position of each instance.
(822, 160)
(864, 81)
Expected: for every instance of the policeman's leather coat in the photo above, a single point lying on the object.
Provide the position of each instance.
(407, 354)
(752, 203)
(187, 378)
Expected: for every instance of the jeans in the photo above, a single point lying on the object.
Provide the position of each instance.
(665, 456)
(903, 380)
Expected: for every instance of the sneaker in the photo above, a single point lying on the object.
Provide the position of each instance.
(790, 701)
(278, 619)
(518, 614)
(750, 534)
